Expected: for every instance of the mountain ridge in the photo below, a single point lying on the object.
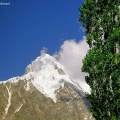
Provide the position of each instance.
(45, 86)
(37, 70)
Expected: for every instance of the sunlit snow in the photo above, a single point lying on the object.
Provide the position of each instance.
(9, 101)
(18, 108)
(46, 74)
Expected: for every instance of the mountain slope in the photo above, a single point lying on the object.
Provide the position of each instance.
(44, 92)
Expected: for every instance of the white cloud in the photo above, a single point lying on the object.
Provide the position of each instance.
(71, 55)
(43, 51)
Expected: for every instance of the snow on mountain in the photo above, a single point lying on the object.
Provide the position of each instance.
(47, 75)
(45, 92)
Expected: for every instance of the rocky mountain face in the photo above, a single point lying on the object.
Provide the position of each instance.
(44, 92)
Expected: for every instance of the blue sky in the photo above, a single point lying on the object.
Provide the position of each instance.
(26, 26)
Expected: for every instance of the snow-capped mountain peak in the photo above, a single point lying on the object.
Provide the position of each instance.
(42, 61)
(47, 75)
(46, 86)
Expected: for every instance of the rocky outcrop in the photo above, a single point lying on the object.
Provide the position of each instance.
(33, 105)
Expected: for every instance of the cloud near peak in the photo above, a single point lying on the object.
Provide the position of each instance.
(71, 54)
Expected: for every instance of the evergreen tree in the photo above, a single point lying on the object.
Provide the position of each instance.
(101, 22)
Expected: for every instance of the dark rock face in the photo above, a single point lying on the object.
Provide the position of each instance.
(60, 71)
(19, 103)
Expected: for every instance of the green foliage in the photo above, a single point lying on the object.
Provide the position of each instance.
(101, 20)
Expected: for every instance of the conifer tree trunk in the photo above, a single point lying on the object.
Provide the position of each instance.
(101, 20)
